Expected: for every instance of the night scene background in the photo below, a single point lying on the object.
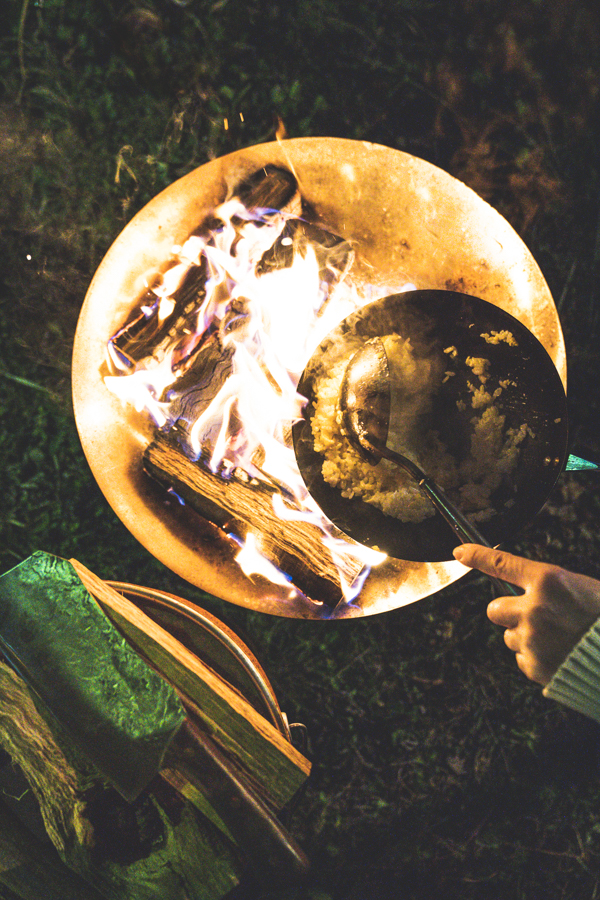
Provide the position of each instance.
(438, 769)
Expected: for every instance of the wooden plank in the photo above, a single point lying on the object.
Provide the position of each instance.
(265, 754)
(195, 796)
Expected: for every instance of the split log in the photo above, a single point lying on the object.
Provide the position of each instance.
(269, 761)
(157, 848)
(241, 506)
(270, 187)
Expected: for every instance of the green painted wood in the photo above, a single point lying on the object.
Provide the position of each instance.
(115, 706)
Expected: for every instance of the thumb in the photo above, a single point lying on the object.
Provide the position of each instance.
(492, 562)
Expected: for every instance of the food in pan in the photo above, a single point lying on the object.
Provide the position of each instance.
(470, 480)
(499, 337)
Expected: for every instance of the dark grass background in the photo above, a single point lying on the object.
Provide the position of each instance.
(439, 771)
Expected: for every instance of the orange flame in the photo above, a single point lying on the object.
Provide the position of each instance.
(283, 315)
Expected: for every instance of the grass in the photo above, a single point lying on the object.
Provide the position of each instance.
(438, 770)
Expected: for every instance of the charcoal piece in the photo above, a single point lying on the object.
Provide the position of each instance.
(143, 334)
(268, 188)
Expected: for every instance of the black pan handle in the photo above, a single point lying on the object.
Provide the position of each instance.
(466, 532)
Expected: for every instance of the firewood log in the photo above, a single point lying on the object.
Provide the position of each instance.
(31, 869)
(157, 848)
(275, 768)
(241, 505)
(269, 188)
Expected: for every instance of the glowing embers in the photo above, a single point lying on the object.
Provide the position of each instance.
(214, 354)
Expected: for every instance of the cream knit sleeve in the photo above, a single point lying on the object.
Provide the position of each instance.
(577, 682)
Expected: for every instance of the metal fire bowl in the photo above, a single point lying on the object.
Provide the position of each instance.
(409, 222)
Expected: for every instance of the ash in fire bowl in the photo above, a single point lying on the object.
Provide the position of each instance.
(214, 353)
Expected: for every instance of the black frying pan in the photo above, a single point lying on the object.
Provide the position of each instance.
(435, 320)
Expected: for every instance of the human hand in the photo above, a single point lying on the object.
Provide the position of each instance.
(545, 623)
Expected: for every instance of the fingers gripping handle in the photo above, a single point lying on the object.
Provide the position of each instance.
(466, 532)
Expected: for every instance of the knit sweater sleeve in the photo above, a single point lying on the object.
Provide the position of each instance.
(577, 682)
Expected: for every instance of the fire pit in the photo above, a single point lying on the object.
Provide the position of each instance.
(406, 222)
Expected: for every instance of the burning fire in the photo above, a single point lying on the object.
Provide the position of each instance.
(225, 373)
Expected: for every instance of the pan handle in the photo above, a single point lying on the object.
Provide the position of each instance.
(466, 532)
(577, 464)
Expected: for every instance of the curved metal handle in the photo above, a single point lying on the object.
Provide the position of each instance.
(466, 532)
(232, 643)
(267, 846)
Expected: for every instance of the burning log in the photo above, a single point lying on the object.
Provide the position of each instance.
(214, 352)
(144, 334)
(270, 191)
(270, 188)
(244, 505)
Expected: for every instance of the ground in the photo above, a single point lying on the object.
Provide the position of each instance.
(438, 769)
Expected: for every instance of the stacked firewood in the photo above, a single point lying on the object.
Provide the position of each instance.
(171, 841)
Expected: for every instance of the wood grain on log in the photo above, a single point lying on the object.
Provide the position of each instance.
(258, 748)
(158, 848)
(245, 506)
(32, 869)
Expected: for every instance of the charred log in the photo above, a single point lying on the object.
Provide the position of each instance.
(267, 192)
(334, 254)
(143, 335)
(269, 188)
(241, 505)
